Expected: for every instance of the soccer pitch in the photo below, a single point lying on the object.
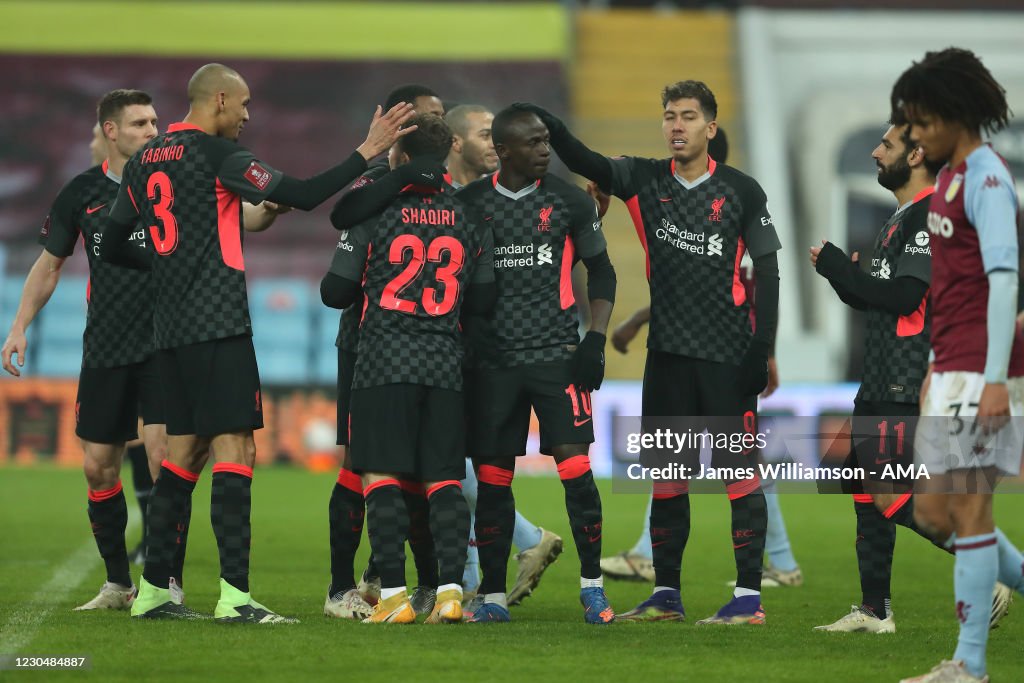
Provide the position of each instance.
(48, 564)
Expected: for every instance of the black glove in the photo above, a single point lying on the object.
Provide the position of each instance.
(481, 341)
(587, 365)
(753, 371)
(831, 259)
(554, 124)
(423, 172)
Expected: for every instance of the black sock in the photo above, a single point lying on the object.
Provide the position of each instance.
(178, 566)
(421, 542)
(876, 539)
(143, 484)
(902, 513)
(345, 514)
(495, 523)
(388, 524)
(449, 524)
(670, 529)
(230, 509)
(108, 515)
(749, 527)
(583, 503)
(171, 493)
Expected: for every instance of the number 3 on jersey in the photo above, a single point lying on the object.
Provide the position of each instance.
(165, 241)
(412, 247)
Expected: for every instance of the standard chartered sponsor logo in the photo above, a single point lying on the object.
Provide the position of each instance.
(522, 255)
(544, 254)
(880, 268)
(715, 245)
(684, 240)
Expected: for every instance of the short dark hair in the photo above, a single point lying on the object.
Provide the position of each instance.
(955, 86)
(718, 146)
(898, 119)
(114, 102)
(432, 138)
(504, 120)
(408, 94)
(698, 90)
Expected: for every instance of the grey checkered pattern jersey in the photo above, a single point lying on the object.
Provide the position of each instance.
(348, 328)
(539, 233)
(187, 187)
(415, 261)
(695, 236)
(119, 319)
(896, 347)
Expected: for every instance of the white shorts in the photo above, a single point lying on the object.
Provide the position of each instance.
(948, 437)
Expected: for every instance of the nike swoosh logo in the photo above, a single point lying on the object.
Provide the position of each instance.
(428, 176)
(94, 209)
(882, 462)
(655, 545)
(741, 545)
(594, 539)
(487, 218)
(664, 199)
(580, 423)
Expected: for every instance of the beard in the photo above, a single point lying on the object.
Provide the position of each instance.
(895, 176)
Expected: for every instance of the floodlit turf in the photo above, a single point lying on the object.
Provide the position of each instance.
(42, 512)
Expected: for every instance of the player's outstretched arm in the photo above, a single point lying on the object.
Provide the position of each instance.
(901, 295)
(310, 193)
(628, 329)
(39, 285)
(365, 202)
(574, 154)
(257, 218)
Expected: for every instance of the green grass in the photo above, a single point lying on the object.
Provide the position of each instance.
(44, 522)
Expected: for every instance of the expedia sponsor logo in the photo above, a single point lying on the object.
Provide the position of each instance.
(920, 244)
(343, 241)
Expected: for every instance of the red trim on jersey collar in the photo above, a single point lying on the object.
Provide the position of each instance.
(926, 192)
(494, 181)
(711, 166)
(181, 125)
(105, 165)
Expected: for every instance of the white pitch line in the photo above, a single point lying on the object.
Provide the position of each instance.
(21, 628)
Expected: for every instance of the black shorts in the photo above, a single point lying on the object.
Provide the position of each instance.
(212, 387)
(346, 371)
(882, 440)
(501, 403)
(690, 395)
(111, 401)
(410, 430)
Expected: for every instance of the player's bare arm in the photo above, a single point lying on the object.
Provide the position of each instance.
(39, 285)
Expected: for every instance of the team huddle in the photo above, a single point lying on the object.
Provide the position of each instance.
(454, 267)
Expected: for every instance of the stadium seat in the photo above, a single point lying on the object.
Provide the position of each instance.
(58, 360)
(325, 365)
(282, 328)
(283, 366)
